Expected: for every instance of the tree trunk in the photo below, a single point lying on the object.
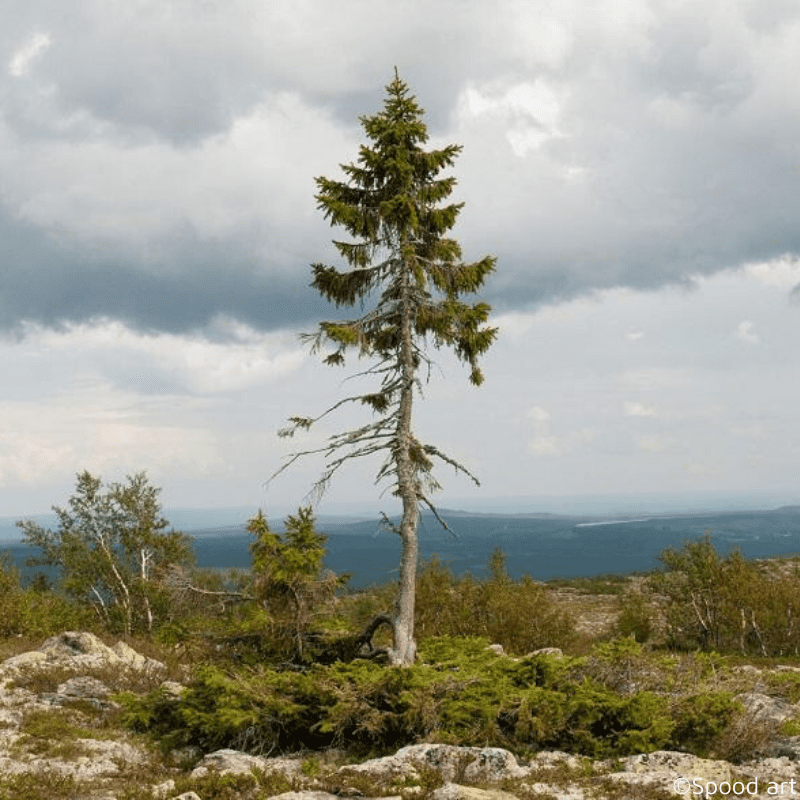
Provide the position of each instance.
(145, 558)
(405, 647)
(125, 598)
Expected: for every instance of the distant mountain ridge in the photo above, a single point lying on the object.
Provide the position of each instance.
(541, 545)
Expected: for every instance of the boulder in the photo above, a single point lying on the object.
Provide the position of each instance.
(130, 658)
(162, 790)
(71, 643)
(765, 709)
(227, 762)
(454, 791)
(172, 690)
(82, 688)
(312, 795)
(664, 766)
(235, 762)
(555, 759)
(79, 650)
(473, 764)
(99, 758)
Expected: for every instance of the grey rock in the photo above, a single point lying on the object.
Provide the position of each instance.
(665, 765)
(79, 649)
(172, 690)
(547, 651)
(473, 764)
(748, 670)
(765, 709)
(82, 688)
(311, 795)
(561, 791)
(72, 643)
(554, 759)
(454, 791)
(99, 758)
(235, 762)
(162, 790)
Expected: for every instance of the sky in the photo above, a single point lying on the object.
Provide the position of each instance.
(632, 166)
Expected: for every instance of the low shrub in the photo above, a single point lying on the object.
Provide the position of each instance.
(33, 613)
(516, 614)
(460, 693)
(727, 604)
(34, 786)
(702, 720)
(635, 616)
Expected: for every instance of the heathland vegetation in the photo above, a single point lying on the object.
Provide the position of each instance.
(283, 659)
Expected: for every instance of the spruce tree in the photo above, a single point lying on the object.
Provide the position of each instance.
(403, 264)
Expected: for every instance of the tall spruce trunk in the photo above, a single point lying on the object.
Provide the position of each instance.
(405, 647)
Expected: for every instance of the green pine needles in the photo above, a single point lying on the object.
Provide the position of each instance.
(403, 264)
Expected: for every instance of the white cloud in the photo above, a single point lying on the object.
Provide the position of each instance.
(244, 357)
(93, 425)
(539, 414)
(783, 273)
(653, 444)
(543, 443)
(546, 446)
(529, 110)
(23, 58)
(26, 459)
(638, 410)
(745, 332)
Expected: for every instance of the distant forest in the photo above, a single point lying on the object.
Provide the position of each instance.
(543, 546)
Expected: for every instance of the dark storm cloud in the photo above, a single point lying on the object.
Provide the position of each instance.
(44, 283)
(671, 152)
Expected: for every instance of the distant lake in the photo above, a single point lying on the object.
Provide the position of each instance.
(541, 546)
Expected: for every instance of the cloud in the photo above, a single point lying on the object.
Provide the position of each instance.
(654, 443)
(745, 332)
(27, 54)
(165, 238)
(546, 446)
(26, 460)
(528, 110)
(96, 426)
(638, 410)
(783, 272)
(543, 443)
(157, 159)
(539, 414)
(239, 357)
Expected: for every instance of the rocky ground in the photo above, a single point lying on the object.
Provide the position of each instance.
(61, 737)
